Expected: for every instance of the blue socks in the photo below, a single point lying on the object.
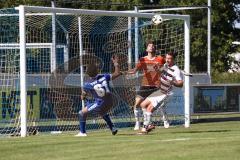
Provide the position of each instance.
(106, 117)
(82, 120)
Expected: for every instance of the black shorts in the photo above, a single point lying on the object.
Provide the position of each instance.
(145, 91)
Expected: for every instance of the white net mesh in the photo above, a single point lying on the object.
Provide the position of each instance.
(168, 37)
(54, 94)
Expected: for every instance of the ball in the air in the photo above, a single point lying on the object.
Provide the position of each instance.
(157, 19)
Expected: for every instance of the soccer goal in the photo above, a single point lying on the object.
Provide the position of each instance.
(49, 99)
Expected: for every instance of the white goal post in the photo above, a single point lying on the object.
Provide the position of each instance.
(22, 31)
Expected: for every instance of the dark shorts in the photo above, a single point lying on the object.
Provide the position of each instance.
(101, 106)
(145, 91)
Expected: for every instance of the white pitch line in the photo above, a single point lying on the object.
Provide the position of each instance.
(177, 139)
(154, 140)
(186, 139)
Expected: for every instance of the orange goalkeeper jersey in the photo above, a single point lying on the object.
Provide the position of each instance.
(150, 76)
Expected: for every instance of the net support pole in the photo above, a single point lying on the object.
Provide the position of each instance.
(81, 54)
(129, 43)
(187, 69)
(53, 52)
(66, 54)
(66, 49)
(209, 41)
(136, 37)
(238, 102)
(23, 87)
(66, 59)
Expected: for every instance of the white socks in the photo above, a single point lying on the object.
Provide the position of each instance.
(146, 116)
(137, 114)
(164, 114)
(147, 119)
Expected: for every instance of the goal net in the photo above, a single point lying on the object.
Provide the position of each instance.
(58, 48)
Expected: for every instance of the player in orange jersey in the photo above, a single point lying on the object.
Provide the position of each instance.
(150, 80)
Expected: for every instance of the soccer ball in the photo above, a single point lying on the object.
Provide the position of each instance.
(157, 19)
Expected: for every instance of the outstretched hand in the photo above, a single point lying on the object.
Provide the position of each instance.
(83, 95)
(173, 81)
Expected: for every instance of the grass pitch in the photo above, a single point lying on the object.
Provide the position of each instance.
(204, 141)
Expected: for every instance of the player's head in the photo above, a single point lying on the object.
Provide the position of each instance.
(150, 48)
(170, 58)
(92, 70)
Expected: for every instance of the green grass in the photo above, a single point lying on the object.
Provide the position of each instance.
(213, 141)
(215, 115)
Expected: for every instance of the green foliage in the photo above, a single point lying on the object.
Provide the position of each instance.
(224, 13)
(223, 33)
(14, 3)
(225, 77)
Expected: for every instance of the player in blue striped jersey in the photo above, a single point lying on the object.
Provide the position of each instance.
(98, 87)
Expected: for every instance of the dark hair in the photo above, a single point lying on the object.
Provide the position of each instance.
(92, 70)
(151, 42)
(171, 54)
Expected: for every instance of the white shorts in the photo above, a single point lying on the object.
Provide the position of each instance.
(157, 98)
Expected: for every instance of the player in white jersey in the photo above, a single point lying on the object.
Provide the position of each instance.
(170, 77)
(150, 80)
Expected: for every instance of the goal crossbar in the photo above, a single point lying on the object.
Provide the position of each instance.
(100, 12)
(28, 45)
(23, 45)
(171, 9)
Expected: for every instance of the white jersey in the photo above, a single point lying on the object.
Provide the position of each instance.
(167, 76)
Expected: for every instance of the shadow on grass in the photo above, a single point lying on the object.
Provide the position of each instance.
(207, 131)
(210, 120)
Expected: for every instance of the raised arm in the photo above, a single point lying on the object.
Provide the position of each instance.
(177, 81)
(132, 71)
(137, 67)
(116, 72)
(83, 94)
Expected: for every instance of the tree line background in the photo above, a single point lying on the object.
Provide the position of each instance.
(224, 15)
